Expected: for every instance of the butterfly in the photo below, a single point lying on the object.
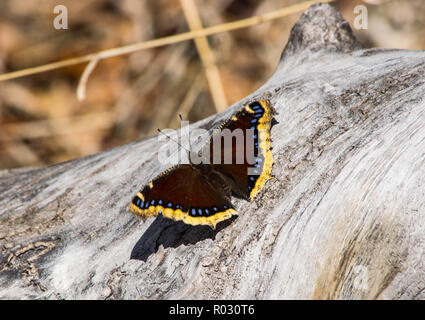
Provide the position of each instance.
(199, 194)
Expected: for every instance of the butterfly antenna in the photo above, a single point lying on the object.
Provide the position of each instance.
(188, 139)
(160, 131)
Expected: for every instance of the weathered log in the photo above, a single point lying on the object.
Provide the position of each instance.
(343, 219)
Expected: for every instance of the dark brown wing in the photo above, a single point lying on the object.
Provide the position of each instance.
(248, 178)
(183, 193)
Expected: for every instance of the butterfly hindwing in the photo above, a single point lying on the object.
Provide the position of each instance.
(182, 193)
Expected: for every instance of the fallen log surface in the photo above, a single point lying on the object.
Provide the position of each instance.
(344, 217)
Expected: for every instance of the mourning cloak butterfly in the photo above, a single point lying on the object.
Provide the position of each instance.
(199, 194)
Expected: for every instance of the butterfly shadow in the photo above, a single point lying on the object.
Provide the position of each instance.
(169, 233)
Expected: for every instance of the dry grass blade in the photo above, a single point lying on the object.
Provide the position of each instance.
(206, 55)
(187, 103)
(81, 89)
(163, 41)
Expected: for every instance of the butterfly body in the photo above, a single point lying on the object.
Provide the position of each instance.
(200, 193)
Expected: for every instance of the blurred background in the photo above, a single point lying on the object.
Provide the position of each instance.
(127, 97)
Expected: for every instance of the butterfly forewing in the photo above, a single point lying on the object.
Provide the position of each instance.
(248, 177)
